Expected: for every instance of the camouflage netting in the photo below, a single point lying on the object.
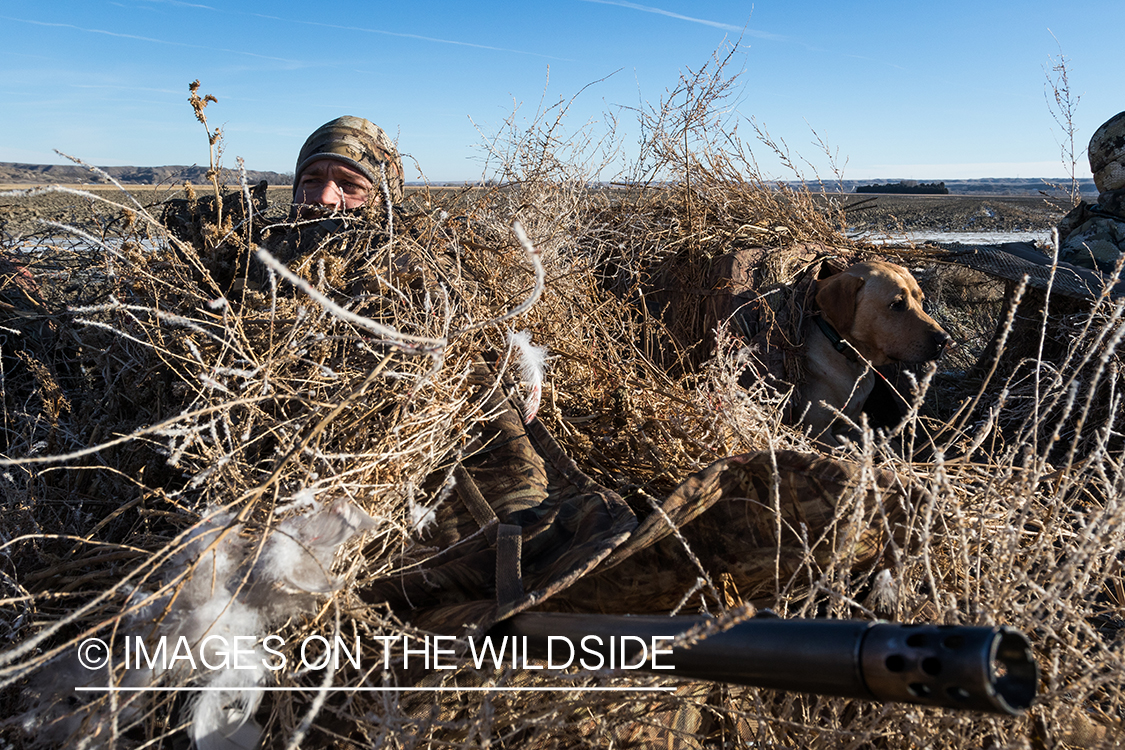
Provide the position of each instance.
(202, 441)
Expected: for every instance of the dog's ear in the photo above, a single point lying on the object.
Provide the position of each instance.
(835, 296)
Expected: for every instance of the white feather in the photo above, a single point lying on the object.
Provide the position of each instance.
(220, 588)
(306, 498)
(298, 554)
(221, 718)
(533, 369)
(420, 516)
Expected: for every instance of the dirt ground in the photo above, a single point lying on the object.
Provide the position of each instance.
(953, 213)
(21, 215)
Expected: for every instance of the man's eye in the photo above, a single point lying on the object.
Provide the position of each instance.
(353, 189)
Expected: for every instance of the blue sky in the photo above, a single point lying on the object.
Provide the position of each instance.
(900, 90)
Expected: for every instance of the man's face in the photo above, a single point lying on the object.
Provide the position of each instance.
(327, 183)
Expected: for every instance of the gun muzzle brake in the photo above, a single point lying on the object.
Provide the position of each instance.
(977, 668)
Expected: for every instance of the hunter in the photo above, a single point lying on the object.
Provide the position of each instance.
(348, 174)
(551, 537)
(524, 526)
(1093, 236)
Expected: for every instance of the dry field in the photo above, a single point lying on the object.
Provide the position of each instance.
(22, 210)
(884, 213)
(954, 213)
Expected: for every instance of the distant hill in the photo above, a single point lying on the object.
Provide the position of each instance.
(71, 174)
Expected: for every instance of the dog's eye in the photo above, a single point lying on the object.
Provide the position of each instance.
(899, 305)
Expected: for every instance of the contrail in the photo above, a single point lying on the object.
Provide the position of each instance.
(151, 39)
(181, 4)
(704, 21)
(400, 34)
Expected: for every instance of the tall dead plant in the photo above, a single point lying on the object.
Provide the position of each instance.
(1062, 104)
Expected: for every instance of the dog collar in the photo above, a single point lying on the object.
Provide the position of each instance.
(839, 343)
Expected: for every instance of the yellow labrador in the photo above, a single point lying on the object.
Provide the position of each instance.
(870, 315)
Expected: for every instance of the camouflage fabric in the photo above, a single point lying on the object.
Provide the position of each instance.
(767, 311)
(1093, 236)
(581, 547)
(1107, 154)
(517, 489)
(351, 233)
(751, 522)
(360, 144)
(743, 519)
(766, 317)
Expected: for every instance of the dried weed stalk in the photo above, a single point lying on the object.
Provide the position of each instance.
(1062, 104)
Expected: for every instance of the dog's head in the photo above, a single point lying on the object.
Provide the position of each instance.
(877, 307)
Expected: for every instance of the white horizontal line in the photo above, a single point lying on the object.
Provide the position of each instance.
(276, 689)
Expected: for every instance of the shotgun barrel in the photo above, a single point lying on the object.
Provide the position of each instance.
(977, 668)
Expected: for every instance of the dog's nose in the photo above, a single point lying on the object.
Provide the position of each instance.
(940, 340)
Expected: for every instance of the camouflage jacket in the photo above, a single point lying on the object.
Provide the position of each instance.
(527, 528)
(1093, 236)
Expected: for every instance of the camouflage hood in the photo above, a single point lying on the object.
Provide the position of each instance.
(1107, 154)
(359, 143)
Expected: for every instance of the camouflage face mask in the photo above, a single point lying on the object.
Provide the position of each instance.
(360, 144)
